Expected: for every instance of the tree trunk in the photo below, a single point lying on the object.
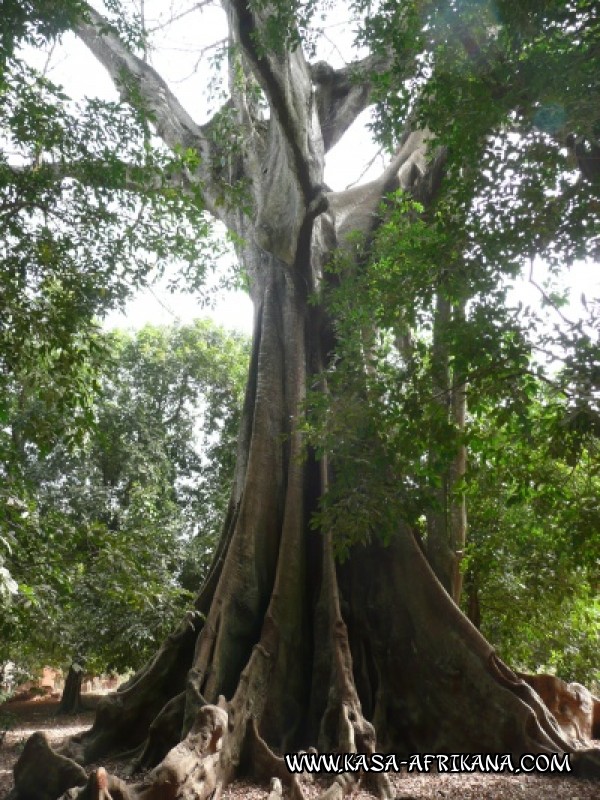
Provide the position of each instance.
(473, 600)
(70, 702)
(447, 522)
(372, 654)
(439, 551)
(456, 473)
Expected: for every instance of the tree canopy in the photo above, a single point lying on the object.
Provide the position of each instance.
(108, 539)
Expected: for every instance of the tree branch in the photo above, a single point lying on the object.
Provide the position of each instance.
(174, 17)
(284, 76)
(132, 178)
(142, 87)
(138, 83)
(343, 94)
(412, 168)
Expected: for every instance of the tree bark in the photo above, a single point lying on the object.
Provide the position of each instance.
(70, 701)
(456, 473)
(447, 521)
(473, 600)
(285, 649)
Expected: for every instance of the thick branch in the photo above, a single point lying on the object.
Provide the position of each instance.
(343, 94)
(140, 85)
(284, 76)
(357, 209)
(101, 174)
(138, 82)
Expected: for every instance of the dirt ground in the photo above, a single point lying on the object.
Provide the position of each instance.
(21, 719)
(27, 717)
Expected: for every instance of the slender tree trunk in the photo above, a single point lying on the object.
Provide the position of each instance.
(473, 600)
(439, 551)
(456, 473)
(447, 521)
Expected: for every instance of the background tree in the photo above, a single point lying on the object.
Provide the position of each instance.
(376, 653)
(532, 557)
(72, 249)
(124, 504)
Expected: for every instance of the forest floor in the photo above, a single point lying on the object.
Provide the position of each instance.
(21, 719)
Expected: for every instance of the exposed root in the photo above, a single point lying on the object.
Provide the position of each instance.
(191, 769)
(571, 704)
(548, 734)
(42, 774)
(264, 764)
(379, 784)
(354, 733)
(163, 735)
(341, 787)
(100, 786)
(586, 763)
(276, 792)
(124, 718)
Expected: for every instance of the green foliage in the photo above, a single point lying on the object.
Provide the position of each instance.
(86, 215)
(501, 86)
(386, 427)
(534, 537)
(422, 310)
(532, 482)
(114, 533)
(7, 722)
(33, 22)
(115, 452)
(384, 384)
(479, 62)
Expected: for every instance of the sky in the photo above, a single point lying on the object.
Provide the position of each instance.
(181, 60)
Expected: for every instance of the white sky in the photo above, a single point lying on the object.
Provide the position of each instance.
(178, 62)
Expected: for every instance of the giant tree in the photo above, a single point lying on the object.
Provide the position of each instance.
(301, 651)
